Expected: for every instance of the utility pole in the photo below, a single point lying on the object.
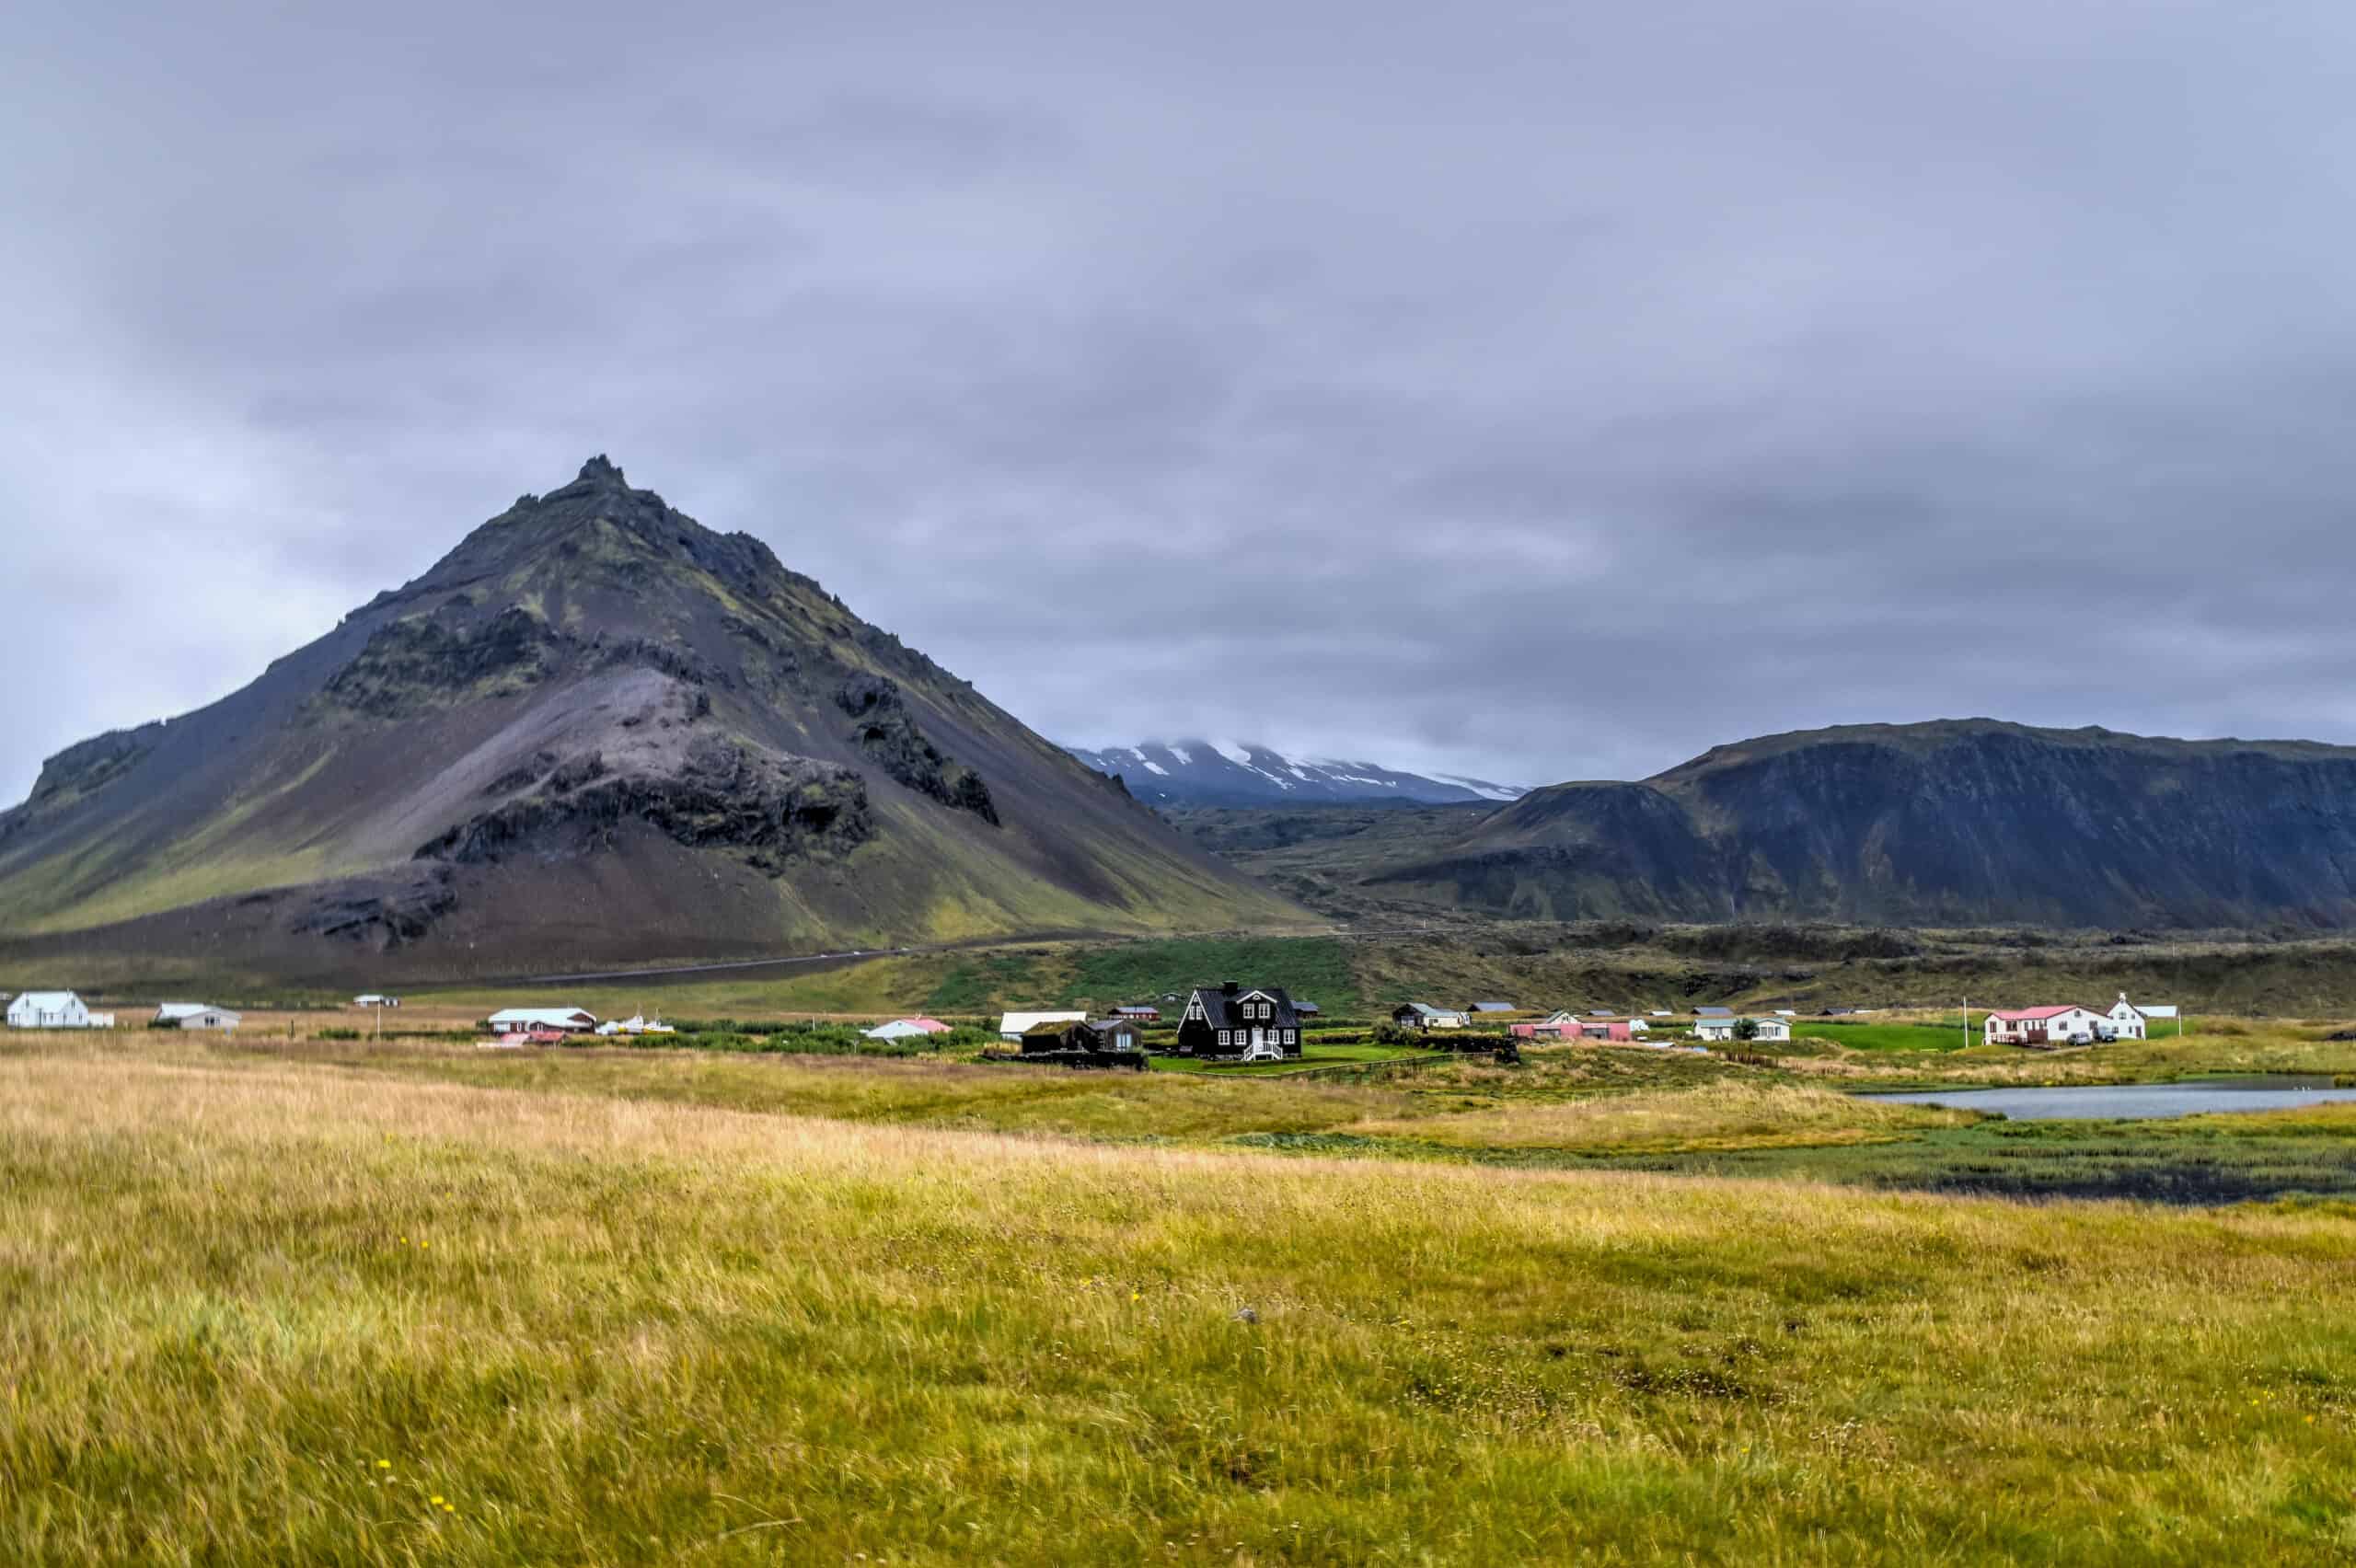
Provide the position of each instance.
(1967, 1023)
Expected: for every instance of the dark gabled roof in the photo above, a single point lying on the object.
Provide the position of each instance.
(1491, 1007)
(1712, 1012)
(1218, 1003)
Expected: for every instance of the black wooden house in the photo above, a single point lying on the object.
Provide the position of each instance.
(1239, 1023)
(1102, 1042)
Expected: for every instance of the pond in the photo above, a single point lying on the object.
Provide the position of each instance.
(2135, 1101)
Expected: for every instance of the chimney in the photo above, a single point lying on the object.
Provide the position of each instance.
(1229, 988)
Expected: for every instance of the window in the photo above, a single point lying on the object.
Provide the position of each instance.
(1292, 1037)
(1223, 1038)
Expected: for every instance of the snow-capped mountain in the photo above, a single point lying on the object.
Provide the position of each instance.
(1226, 772)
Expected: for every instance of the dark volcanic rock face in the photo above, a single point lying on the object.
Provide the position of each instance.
(723, 794)
(377, 913)
(415, 665)
(1950, 822)
(886, 732)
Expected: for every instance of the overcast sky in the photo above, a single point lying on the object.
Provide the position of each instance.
(1538, 390)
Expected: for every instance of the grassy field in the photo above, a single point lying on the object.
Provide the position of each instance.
(1924, 1036)
(1312, 1056)
(265, 1306)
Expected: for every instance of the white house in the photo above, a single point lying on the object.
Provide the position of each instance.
(637, 1023)
(375, 1000)
(197, 1015)
(2070, 1025)
(1015, 1024)
(572, 1021)
(905, 1028)
(1763, 1029)
(1636, 1026)
(1418, 1015)
(2129, 1019)
(54, 1010)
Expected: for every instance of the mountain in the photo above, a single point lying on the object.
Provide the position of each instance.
(1223, 773)
(595, 732)
(1954, 822)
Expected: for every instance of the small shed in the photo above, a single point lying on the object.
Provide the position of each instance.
(1015, 1025)
(1104, 1042)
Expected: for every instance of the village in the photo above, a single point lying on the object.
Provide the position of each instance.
(1231, 1024)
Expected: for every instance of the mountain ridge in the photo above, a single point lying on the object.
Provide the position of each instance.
(1228, 773)
(1948, 820)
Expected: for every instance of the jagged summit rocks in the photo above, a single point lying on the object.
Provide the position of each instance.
(594, 731)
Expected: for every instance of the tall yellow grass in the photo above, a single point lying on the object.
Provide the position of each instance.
(268, 1310)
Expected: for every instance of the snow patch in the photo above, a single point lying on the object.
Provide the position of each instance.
(1240, 755)
(1152, 767)
(1185, 759)
(1482, 788)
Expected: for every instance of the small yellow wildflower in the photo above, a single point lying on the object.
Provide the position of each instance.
(437, 1500)
(383, 1464)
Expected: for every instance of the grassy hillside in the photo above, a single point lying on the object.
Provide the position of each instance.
(1313, 969)
(270, 1309)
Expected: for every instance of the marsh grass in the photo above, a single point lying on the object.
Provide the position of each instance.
(268, 1308)
(1717, 1116)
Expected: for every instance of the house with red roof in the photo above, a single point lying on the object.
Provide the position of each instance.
(901, 1028)
(2064, 1025)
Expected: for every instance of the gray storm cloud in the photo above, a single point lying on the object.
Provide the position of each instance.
(1531, 391)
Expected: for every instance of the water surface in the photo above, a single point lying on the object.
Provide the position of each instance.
(2135, 1101)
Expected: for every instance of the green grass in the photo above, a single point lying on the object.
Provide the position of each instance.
(263, 1309)
(2200, 1159)
(987, 982)
(1313, 969)
(1884, 1036)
